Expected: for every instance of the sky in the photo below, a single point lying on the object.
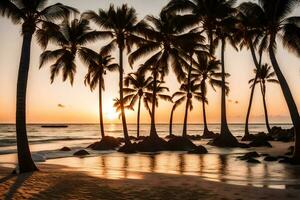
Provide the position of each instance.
(62, 103)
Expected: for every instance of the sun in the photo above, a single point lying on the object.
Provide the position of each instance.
(111, 114)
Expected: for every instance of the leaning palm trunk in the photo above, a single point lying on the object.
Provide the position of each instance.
(247, 134)
(290, 103)
(153, 133)
(205, 131)
(126, 137)
(138, 119)
(25, 161)
(100, 110)
(257, 65)
(224, 126)
(188, 99)
(171, 121)
(263, 92)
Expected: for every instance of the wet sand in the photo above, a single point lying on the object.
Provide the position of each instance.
(59, 182)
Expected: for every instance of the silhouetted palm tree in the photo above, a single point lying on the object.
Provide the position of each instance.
(123, 26)
(95, 77)
(71, 38)
(225, 33)
(216, 21)
(163, 39)
(117, 106)
(249, 33)
(185, 94)
(137, 89)
(32, 15)
(207, 71)
(263, 75)
(287, 28)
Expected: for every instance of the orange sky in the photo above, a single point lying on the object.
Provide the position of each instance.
(81, 106)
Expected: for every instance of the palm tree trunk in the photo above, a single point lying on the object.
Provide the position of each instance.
(224, 126)
(249, 109)
(25, 161)
(204, 118)
(290, 102)
(153, 133)
(171, 121)
(263, 93)
(188, 99)
(138, 119)
(257, 65)
(126, 137)
(100, 110)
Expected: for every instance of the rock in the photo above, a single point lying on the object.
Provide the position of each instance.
(171, 136)
(265, 154)
(199, 150)
(151, 144)
(65, 149)
(225, 141)
(209, 135)
(194, 137)
(289, 160)
(128, 148)
(180, 144)
(81, 152)
(249, 155)
(249, 137)
(260, 142)
(106, 143)
(270, 158)
(283, 135)
(244, 145)
(38, 157)
(252, 160)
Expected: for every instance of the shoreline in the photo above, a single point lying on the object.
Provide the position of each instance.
(60, 182)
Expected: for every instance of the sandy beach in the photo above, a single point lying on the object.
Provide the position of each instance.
(58, 182)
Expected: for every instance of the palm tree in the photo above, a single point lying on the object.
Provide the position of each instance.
(249, 33)
(71, 38)
(263, 75)
(207, 71)
(186, 93)
(277, 23)
(95, 77)
(32, 15)
(225, 33)
(216, 21)
(123, 26)
(163, 42)
(137, 89)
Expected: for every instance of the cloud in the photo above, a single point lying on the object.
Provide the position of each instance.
(60, 105)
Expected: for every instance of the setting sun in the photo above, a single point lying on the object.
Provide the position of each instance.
(111, 114)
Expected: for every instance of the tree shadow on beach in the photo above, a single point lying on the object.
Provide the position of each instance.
(16, 185)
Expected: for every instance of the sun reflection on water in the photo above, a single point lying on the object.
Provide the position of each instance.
(214, 167)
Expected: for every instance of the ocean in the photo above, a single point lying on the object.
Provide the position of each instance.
(219, 164)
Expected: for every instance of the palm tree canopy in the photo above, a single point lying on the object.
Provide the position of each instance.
(206, 70)
(97, 69)
(167, 45)
(137, 86)
(31, 13)
(120, 24)
(264, 74)
(277, 22)
(70, 37)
